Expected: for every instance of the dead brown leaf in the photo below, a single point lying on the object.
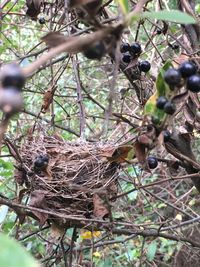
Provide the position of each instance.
(37, 200)
(132, 64)
(140, 152)
(120, 154)
(100, 209)
(47, 100)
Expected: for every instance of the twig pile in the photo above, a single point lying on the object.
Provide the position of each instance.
(78, 180)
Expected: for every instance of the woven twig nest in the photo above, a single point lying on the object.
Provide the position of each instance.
(77, 178)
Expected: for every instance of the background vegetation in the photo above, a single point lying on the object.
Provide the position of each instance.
(155, 216)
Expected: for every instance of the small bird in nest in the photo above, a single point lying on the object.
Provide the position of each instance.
(41, 164)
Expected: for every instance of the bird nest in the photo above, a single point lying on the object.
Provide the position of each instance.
(76, 179)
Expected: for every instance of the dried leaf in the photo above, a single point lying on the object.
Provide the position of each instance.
(189, 116)
(56, 231)
(123, 153)
(37, 200)
(179, 99)
(20, 176)
(47, 100)
(100, 209)
(140, 152)
(179, 60)
(132, 64)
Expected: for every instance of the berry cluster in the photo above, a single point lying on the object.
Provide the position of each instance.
(186, 73)
(130, 52)
(12, 80)
(168, 106)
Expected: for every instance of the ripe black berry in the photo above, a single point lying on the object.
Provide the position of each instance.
(126, 58)
(42, 20)
(125, 47)
(161, 101)
(95, 51)
(175, 46)
(158, 31)
(172, 77)
(11, 76)
(169, 108)
(144, 66)
(152, 162)
(193, 83)
(187, 69)
(136, 48)
(166, 135)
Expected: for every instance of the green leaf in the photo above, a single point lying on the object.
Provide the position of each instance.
(151, 251)
(124, 6)
(161, 86)
(13, 254)
(171, 15)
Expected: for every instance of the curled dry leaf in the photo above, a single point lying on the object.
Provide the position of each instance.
(140, 152)
(119, 154)
(37, 200)
(132, 64)
(47, 100)
(100, 209)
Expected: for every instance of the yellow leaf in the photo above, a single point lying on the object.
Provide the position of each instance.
(97, 254)
(90, 235)
(178, 217)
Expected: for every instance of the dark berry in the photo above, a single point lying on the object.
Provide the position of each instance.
(172, 77)
(193, 83)
(158, 31)
(187, 69)
(125, 47)
(169, 108)
(144, 66)
(136, 48)
(175, 46)
(42, 20)
(152, 162)
(166, 135)
(11, 76)
(161, 101)
(95, 51)
(126, 57)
